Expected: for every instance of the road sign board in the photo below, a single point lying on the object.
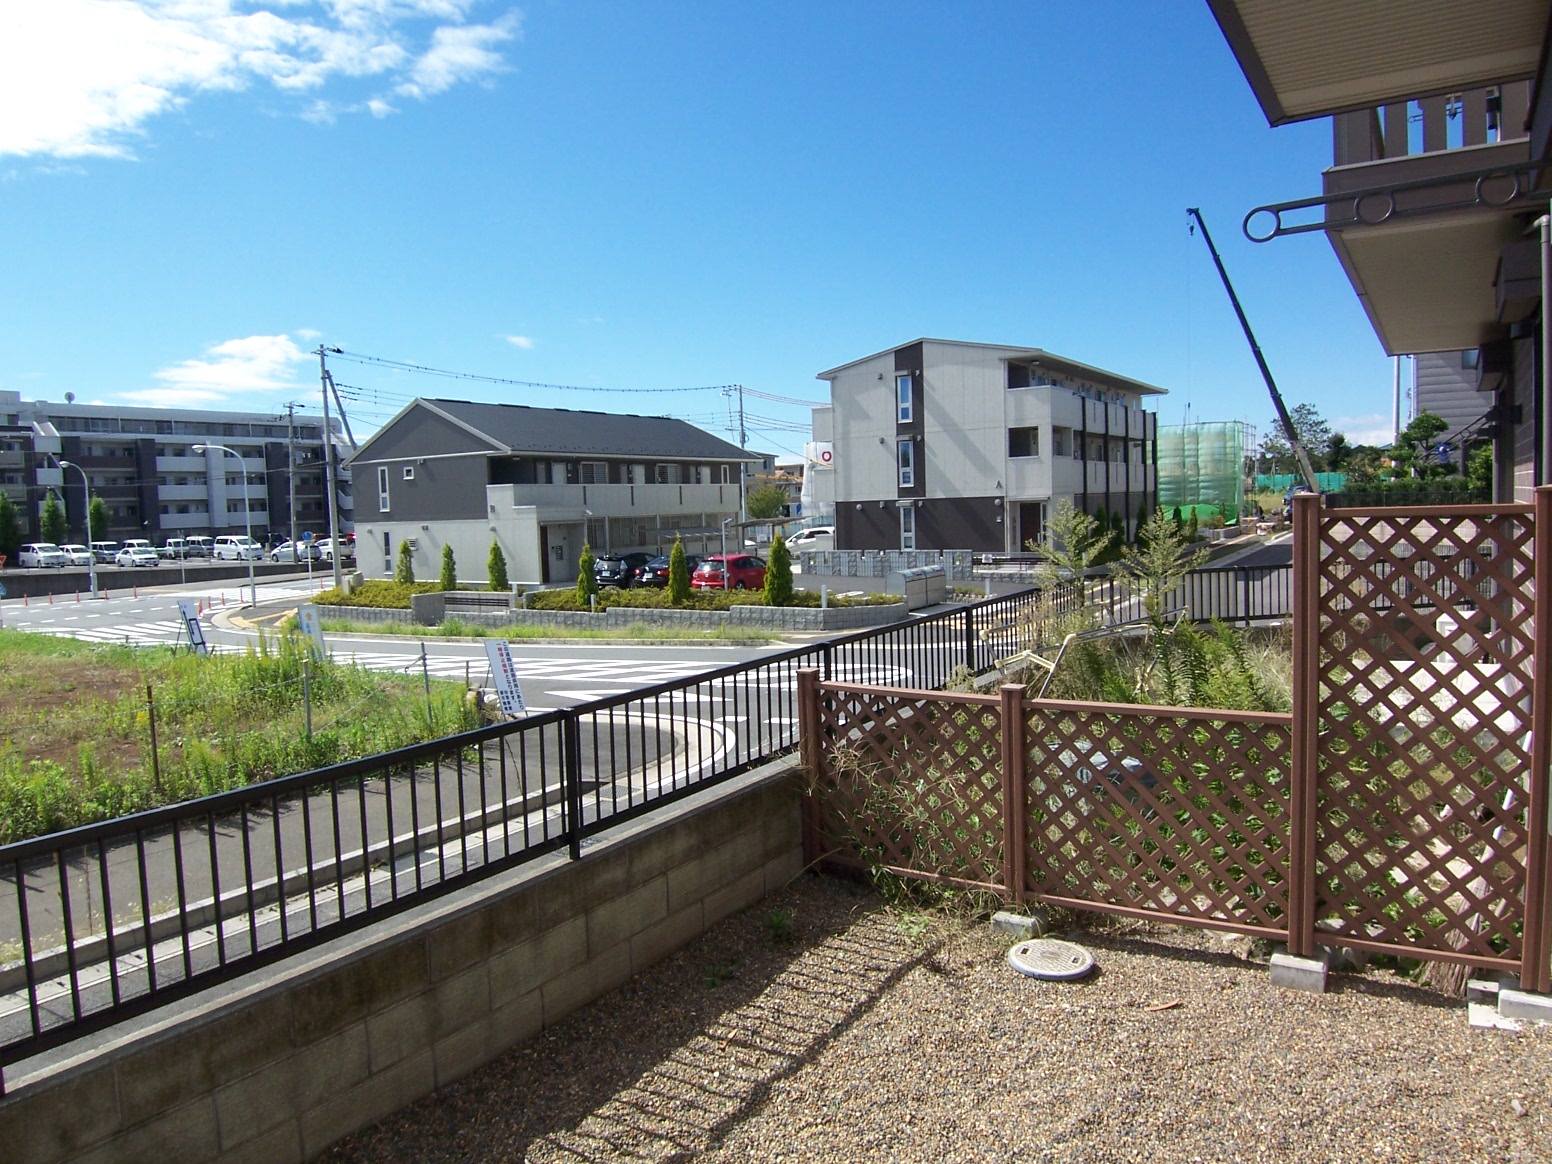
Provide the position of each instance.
(312, 626)
(503, 672)
(190, 611)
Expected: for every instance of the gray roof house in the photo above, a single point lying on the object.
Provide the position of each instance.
(541, 482)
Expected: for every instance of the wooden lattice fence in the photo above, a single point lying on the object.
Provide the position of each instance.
(1390, 811)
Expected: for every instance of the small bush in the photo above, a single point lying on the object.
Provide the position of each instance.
(496, 568)
(678, 574)
(404, 570)
(449, 579)
(587, 580)
(378, 592)
(778, 574)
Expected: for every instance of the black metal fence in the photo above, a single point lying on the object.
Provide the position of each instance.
(1234, 594)
(109, 920)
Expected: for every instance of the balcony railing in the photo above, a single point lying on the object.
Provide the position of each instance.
(1431, 125)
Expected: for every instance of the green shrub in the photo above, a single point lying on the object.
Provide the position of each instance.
(496, 568)
(378, 592)
(404, 570)
(449, 579)
(587, 580)
(778, 574)
(678, 574)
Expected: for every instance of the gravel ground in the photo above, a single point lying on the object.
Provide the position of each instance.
(871, 1034)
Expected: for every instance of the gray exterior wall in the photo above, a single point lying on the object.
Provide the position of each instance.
(419, 432)
(1447, 388)
(444, 488)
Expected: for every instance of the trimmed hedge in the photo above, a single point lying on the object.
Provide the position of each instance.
(391, 595)
(654, 599)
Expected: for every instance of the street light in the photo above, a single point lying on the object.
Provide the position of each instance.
(253, 586)
(86, 495)
(726, 579)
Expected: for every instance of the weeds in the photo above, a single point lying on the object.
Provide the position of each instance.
(779, 930)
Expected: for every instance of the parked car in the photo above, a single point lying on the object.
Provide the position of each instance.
(138, 544)
(655, 572)
(104, 551)
(36, 555)
(1293, 491)
(286, 552)
(199, 545)
(237, 549)
(742, 572)
(620, 570)
(174, 549)
(77, 554)
(141, 555)
(817, 537)
(347, 550)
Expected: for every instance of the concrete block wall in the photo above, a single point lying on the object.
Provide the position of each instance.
(617, 618)
(281, 1063)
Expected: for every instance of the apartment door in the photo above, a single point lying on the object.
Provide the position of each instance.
(1031, 524)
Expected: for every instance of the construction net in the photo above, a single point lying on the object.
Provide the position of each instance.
(1202, 467)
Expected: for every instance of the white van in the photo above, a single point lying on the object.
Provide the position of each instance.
(237, 549)
(815, 537)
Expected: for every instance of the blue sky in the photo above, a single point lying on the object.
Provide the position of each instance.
(645, 197)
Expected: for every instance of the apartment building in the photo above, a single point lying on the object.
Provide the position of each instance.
(142, 463)
(540, 482)
(1441, 122)
(942, 444)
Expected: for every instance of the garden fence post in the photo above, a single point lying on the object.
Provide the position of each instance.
(1013, 799)
(571, 746)
(1304, 767)
(156, 763)
(812, 754)
(970, 639)
(1535, 971)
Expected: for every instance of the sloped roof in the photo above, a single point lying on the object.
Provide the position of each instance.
(520, 428)
(1036, 355)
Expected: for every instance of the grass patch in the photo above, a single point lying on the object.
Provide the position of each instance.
(76, 743)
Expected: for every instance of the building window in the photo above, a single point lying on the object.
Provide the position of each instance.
(1117, 454)
(382, 488)
(904, 411)
(908, 527)
(1023, 442)
(727, 474)
(409, 472)
(595, 472)
(906, 453)
(1058, 442)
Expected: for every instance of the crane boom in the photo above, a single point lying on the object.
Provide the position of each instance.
(1299, 451)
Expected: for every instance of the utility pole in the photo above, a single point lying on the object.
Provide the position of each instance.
(332, 503)
(291, 470)
(743, 466)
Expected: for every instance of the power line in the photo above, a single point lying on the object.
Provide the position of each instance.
(422, 369)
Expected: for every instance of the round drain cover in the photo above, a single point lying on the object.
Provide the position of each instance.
(1050, 959)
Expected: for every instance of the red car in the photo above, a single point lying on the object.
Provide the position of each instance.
(743, 573)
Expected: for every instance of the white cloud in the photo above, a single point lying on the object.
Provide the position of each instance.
(521, 341)
(84, 77)
(1373, 429)
(256, 363)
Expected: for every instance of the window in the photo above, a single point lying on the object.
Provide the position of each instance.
(638, 474)
(727, 474)
(906, 452)
(904, 411)
(1470, 359)
(1118, 453)
(595, 472)
(1058, 442)
(908, 528)
(662, 475)
(409, 472)
(382, 488)
(1023, 442)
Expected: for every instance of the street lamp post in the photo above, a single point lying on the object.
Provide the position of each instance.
(253, 586)
(86, 496)
(727, 581)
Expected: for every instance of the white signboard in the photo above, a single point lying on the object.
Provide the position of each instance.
(503, 673)
(820, 454)
(190, 611)
(312, 626)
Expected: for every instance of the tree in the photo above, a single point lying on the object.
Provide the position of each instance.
(1159, 560)
(678, 575)
(1413, 454)
(1193, 527)
(778, 574)
(1179, 519)
(449, 579)
(54, 526)
(766, 502)
(1313, 432)
(97, 519)
(10, 526)
(587, 580)
(1479, 468)
(496, 568)
(404, 569)
(1073, 542)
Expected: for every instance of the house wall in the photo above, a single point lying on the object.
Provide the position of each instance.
(279, 1064)
(517, 532)
(443, 488)
(1448, 389)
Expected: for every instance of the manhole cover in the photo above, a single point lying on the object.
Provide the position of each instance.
(1050, 959)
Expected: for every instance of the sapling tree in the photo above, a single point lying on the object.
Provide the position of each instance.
(496, 568)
